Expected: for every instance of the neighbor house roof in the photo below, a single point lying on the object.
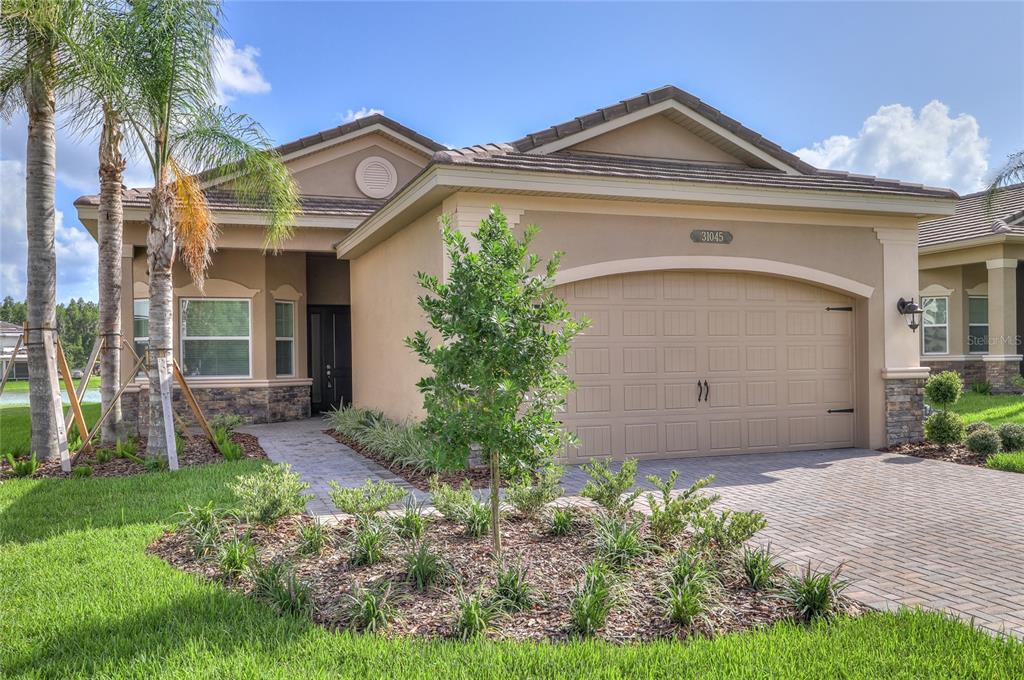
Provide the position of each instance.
(8, 328)
(975, 218)
(333, 206)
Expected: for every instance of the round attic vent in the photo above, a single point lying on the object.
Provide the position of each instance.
(376, 177)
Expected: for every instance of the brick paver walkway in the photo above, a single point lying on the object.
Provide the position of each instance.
(909, 531)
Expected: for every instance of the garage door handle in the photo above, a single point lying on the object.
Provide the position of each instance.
(707, 391)
(840, 410)
(700, 392)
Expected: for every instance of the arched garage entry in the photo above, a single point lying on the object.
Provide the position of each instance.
(689, 362)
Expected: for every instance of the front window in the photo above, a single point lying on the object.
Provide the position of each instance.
(977, 324)
(215, 337)
(140, 326)
(935, 325)
(284, 337)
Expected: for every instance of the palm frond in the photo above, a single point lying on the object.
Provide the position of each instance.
(193, 223)
(1011, 173)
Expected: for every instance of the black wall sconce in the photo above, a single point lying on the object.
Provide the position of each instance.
(912, 311)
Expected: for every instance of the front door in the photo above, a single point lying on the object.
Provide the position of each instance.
(330, 356)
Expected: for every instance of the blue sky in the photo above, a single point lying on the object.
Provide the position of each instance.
(849, 85)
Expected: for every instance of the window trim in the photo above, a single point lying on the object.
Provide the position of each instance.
(182, 337)
(291, 339)
(924, 300)
(137, 340)
(969, 324)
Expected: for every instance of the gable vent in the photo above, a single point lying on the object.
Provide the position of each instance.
(376, 177)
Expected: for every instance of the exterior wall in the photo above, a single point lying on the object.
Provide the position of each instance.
(385, 312)
(331, 172)
(656, 137)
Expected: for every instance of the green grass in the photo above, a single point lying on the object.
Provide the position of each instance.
(81, 598)
(21, 386)
(1008, 462)
(15, 431)
(993, 408)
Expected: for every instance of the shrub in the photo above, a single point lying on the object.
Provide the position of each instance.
(270, 493)
(277, 584)
(179, 444)
(82, 471)
(670, 514)
(944, 428)
(815, 594)
(1007, 462)
(23, 467)
(1012, 436)
(224, 421)
(224, 444)
(724, 533)
(412, 523)
(367, 499)
(477, 519)
(369, 609)
(155, 464)
(475, 615)
(560, 521)
(981, 387)
(312, 538)
(983, 442)
(369, 539)
(691, 584)
(606, 488)
(690, 564)
(760, 567)
(618, 540)
(453, 503)
(202, 526)
(1018, 382)
(943, 390)
(592, 601)
(423, 567)
(104, 455)
(235, 556)
(978, 425)
(529, 497)
(402, 443)
(512, 592)
(126, 448)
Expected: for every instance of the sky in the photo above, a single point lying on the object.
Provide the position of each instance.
(923, 92)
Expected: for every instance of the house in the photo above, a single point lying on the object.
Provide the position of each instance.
(742, 300)
(972, 288)
(9, 334)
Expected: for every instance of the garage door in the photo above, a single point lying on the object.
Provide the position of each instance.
(681, 363)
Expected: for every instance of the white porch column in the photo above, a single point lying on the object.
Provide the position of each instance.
(1003, 360)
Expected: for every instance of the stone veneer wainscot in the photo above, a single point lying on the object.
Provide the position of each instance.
(904, 410)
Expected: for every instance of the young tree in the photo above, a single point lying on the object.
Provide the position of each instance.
(497, 374)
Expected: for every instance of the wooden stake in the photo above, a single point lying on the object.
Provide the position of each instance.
(110, 407)
(193, 404)
(84, 385)
(76, 408)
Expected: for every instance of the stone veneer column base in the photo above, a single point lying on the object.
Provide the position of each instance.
(257, 404)
(904, 410)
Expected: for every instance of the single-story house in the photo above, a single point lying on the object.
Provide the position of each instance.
(18, 361)
(972, 288)
(742, 300)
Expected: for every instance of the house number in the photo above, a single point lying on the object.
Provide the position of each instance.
(710, 236)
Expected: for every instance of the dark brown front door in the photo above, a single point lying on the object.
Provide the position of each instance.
(330, 356)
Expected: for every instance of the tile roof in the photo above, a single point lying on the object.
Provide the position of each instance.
(359, 124)
(7, 327)
(333, 206)
(505, 156)
(974, 218)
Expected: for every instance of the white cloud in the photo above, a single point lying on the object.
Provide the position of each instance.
(931, 147)
(351, 115)
(236, 70)
(75, 248)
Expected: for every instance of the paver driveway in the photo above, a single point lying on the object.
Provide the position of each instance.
(910, 531)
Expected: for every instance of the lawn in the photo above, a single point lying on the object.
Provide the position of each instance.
(993, 408)
(21, 386)
(15, 430)
(123, 613)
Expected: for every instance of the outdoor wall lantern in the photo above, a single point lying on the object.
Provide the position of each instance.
(912, 311)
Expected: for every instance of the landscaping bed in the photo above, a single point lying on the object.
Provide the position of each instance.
(952, 453)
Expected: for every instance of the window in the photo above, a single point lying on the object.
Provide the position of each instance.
(215, 338)
(284, 324)
(977, 325)
(935, 325)
(140, 326)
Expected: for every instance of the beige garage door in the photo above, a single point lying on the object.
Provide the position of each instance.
(696, 363)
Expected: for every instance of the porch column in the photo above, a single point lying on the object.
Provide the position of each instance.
(1003, 360)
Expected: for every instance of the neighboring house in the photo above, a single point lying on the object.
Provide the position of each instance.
(9, 334)
(972, 288)
(742, 300)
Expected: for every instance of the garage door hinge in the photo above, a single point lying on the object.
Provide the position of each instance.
(840, 410)
(839, 309)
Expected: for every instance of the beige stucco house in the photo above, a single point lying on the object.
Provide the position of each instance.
(972, 288)
(742, 300)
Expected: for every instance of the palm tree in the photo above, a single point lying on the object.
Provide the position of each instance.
(33, 35)
(1011, 173)
(170, 114)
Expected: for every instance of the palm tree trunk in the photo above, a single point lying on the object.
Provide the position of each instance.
(40, 188)
(160, 248)
(109, 232)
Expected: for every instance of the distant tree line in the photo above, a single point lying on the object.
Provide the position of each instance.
(77, 321)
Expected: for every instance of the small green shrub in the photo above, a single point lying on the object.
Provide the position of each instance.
(983, 442)
(724, 533)
(369, 609)
(235, 556)
(608, 489)
(979, 425)
(760, 567)
(179, 444)
(82, 471)
(227, 447)
(1012, 436)
(691, 585)
(402, 443)
(104, 455)
(270, 493)
(815, 594)
(512, 590)
(23, 467)
(202, 526)
(477, 519)
(453, 503)
(423, 567)
(560, 521)
(369, 539)
(126, 448)
(155, 464)
(226, 422)
(312, 538)
(944, 428)
(690, 564)
(943, 390)
(412, 523)
(277, 584)
(671, 514)
(981, 387)
(592, 601)
(1007, 462)
(618, 541)
(475, 615)
(371, 497)
(1018, 382)
(529, 496)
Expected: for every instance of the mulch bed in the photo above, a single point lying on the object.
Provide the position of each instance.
(198, 451)
(479, 477)
(554, 566)
(956, 453)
